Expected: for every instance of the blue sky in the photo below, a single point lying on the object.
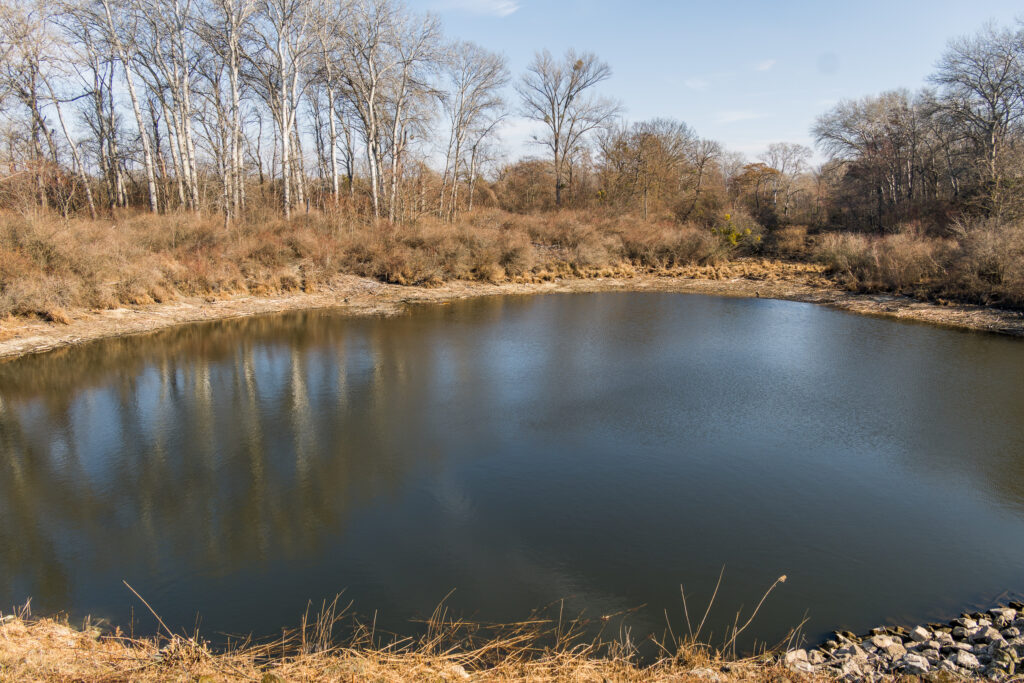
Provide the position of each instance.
(745, 73)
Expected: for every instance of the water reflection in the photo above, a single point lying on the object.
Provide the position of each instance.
(601, 448)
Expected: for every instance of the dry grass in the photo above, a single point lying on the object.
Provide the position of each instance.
(979, 263)
(539, 649)
(52, 268)
(49, 266)
(535, 650)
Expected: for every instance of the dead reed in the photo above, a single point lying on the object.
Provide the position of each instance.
(541, 648)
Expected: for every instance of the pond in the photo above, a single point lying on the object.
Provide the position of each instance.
(601, 449)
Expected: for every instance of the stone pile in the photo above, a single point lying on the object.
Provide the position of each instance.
(980, 645)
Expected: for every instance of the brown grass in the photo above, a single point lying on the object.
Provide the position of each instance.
(539, 649)
(979, 263)
(49, 267)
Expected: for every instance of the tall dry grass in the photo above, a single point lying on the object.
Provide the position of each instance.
(50, 266)
(980, 262)
(548, 646)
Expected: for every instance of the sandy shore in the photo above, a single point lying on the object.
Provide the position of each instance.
(363, 296)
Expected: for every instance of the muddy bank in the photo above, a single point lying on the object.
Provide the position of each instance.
(363, 296)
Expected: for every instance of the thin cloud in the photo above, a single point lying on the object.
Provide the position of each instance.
(494, 8)
(766, 65)
(734, 116)
(696, 83)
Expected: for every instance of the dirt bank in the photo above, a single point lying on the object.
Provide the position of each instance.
(364, 296)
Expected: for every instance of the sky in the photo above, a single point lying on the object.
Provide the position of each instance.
(743, 72)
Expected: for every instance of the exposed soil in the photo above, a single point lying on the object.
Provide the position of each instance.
(363, 296)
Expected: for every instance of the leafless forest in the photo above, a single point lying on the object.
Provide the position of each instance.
(152, 148)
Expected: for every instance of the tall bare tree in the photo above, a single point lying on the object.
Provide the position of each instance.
(120, 31)
(981, 78)
(558, 93)
(282, 45)
(474, 107)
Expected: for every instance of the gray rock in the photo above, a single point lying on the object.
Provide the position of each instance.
(706, 674)
(996, 675)
(794, 656)
(894, 651)
(956, 647)
(915, 664)
(932, 655)
(852, 669)
(986, 634)
(920, 634)
(852, 651)
(880, 641)
(963, 631)
(966, 660)
(1004, 612)
(1011, 632)
(815, 657)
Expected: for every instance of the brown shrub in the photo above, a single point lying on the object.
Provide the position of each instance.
(789, 241)
(988, 267)
(666, 246)
(49, 266)
(848, 256)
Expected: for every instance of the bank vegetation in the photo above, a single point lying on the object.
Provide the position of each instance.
(156, 149)
(546, 647)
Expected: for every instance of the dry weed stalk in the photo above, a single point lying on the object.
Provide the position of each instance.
(537, 649)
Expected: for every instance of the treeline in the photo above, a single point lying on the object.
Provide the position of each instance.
(950, 150)
(365, 119)
(213, 104)
(216, 105)
(358, 105)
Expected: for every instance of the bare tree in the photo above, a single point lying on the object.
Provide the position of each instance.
(474, 107)
(281, 48)
(224, 28)
(119, 33)
(367, 62)
(27, 42)
(981, 78)
(558, 94)
(790, 160)
(417, 47)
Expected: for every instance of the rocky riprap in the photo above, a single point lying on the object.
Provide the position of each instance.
(980, 645)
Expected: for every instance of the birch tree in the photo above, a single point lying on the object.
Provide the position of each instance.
(368, 61)
(225, 25)
(119, 32)
(281, 47)
(473, 106)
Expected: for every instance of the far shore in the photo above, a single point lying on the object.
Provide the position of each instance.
(361, 296)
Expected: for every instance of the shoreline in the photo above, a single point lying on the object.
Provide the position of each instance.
(361, 296)
(977, 645)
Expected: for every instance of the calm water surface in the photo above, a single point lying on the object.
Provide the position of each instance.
(602, 448)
